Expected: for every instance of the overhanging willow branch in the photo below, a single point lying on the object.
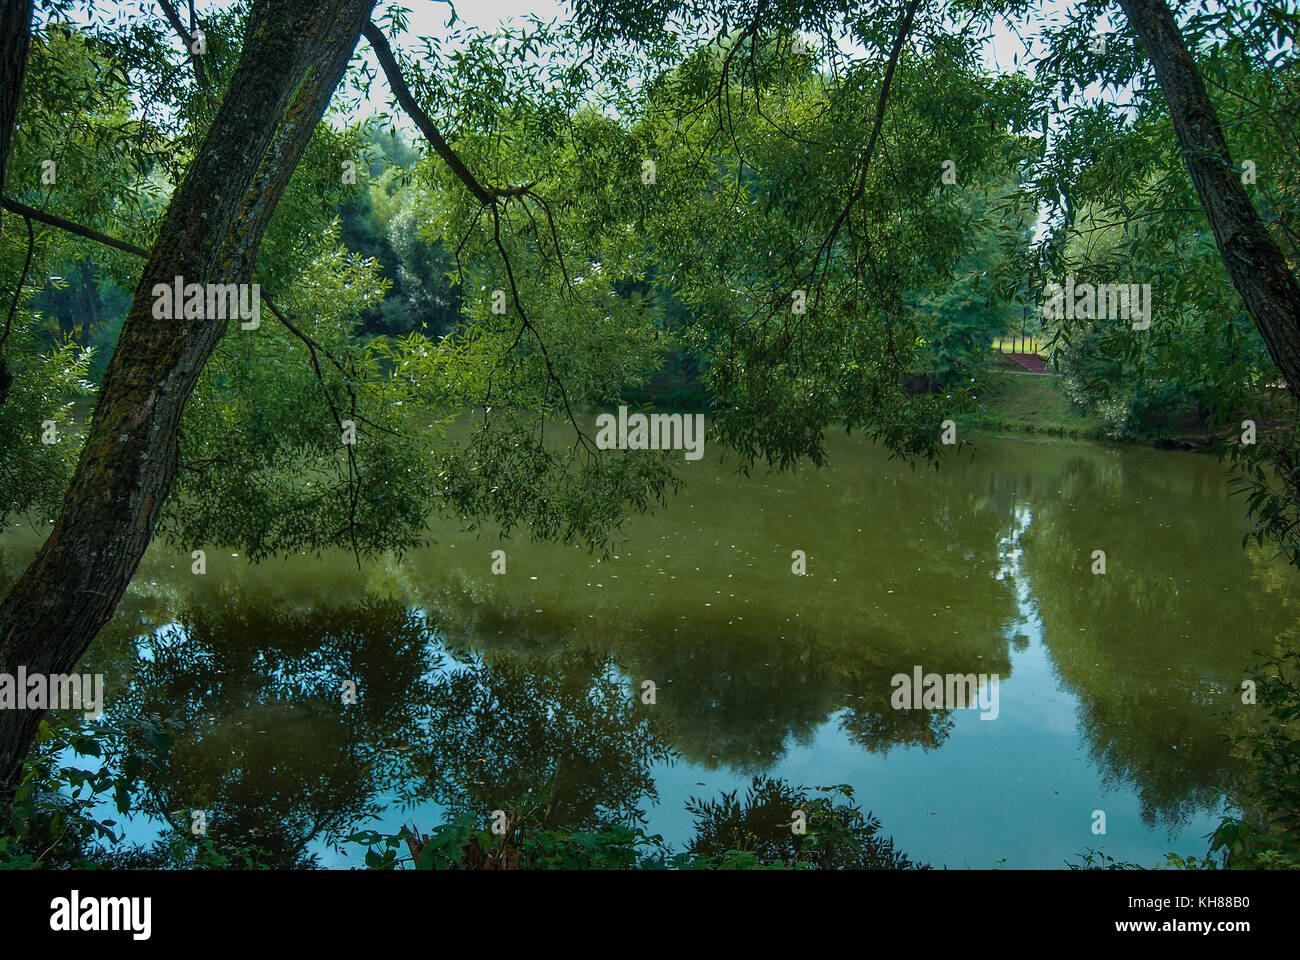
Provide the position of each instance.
(405, 99)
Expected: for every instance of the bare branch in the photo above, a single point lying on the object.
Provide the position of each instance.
(527, 324)
(384, 53)
(18, 290)
(187, 38)
(49, 219)
(904, 29)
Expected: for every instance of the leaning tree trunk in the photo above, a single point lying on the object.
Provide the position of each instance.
(293, 57)
(1256, 265)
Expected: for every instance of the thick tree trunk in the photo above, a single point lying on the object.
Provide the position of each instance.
(1256, 265)
(15, 38)
(293, 57)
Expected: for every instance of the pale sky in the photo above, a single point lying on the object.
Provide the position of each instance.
(428, 18)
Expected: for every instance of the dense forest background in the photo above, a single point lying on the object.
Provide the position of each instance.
(1149, 395)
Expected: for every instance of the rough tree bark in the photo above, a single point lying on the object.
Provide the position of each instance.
(1256, 265)
(293, 57)
(15, 38)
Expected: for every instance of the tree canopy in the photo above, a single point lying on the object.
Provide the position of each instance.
(814, 202)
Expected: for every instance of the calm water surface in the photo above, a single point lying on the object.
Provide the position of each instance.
(1115, 691)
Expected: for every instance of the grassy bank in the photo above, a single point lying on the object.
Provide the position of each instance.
(1029, 403)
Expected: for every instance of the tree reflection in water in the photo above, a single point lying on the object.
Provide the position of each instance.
(277, 758)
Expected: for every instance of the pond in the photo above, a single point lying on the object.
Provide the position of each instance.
(1114, 690)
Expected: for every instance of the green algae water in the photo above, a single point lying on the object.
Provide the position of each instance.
(1115, 691)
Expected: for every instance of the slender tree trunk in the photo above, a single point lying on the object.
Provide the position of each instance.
(90, 291)
(1256, 265)
(293, 57)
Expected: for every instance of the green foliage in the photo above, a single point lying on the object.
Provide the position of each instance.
(771, 181)
(763, 188)
(1030, 403)
(264, 465)
(1122, 208)
(33, 473)
(1155, 383)
(76, 114)
(984, 295)
(752, 835)
(1098, 860)
(53, 818)
(82, 305)
(734, 207)
(677, 385)
(731, 834)
(462, 845)
(184, 851)
(57, 817)
(1267, 836)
